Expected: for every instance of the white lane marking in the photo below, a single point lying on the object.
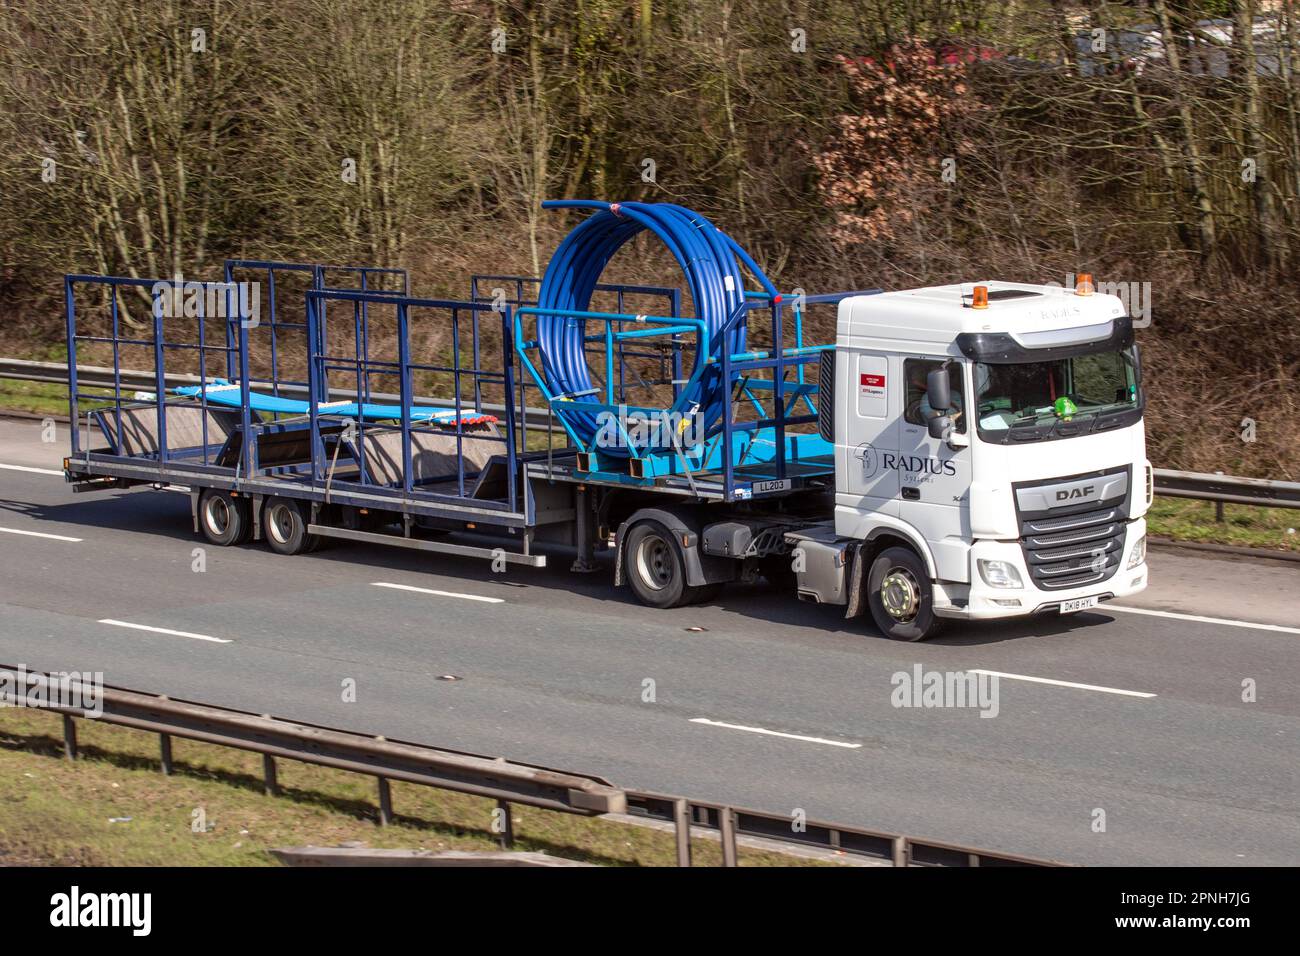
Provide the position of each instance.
(455, 594)
(776, 733)
(1196, 617)
(40, 534)
(1064, 683)
(165, 630)
(34, 471)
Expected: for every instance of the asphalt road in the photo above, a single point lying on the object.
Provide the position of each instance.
(554, 670)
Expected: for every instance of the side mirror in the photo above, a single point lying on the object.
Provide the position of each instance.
(939, 427)
(937, 393)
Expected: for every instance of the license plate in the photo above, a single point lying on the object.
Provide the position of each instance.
(765, 487)
(1078, 604)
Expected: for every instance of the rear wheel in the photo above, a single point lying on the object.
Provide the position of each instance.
(284, 526)
(223, 519)
(900, 596)
(656, 569)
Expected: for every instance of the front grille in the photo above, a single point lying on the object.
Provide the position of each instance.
(1074, 549)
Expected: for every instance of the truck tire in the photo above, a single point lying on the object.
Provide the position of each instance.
(900, 597)
(656, 570)
(224, 520)
(284, 527)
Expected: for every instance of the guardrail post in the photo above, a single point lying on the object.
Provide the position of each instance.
(165, 753)
(1218, 507)
(727, 829)
(682, 828)
(507, 836)
(385, 802)
(271, 786)
(70, 736)
(900, 851)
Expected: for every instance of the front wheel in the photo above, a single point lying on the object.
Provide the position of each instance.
(900, 596)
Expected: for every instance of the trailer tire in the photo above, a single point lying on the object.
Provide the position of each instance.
(656, 570)
(223, 519)
(900, 597)
(284, 526)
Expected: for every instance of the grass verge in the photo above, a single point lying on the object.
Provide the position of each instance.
(40, 398)
(113, 807)
(1245, 526)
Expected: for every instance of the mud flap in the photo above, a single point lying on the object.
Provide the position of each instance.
(857, 579)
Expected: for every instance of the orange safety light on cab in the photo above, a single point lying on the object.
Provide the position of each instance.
(1083, 285)
(980, 297)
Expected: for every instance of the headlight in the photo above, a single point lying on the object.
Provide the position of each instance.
(999, 574)
(1139, 553)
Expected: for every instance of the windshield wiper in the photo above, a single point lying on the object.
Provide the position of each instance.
(1030, 419)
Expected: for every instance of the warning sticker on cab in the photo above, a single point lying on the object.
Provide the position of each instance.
(872, 384)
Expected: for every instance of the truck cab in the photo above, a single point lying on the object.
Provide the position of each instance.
(989, 451)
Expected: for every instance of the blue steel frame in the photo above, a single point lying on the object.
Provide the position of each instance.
(319, 275)
(672, 297)
(778, 359)
(321, 363)
(735, 369)
(235, 352)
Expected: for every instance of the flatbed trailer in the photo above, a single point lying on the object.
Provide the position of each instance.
(348, 447)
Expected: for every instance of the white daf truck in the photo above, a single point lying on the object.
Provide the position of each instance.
(975, 452)
(990, 457)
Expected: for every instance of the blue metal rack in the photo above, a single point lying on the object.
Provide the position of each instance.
(365, 368)
(766, 443)
(293, 412)
(521, 291)
(748, 456)
(166, 334)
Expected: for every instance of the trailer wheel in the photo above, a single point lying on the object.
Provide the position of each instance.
(899, 594)
(655, 567)
(224, 520)
(284, 526)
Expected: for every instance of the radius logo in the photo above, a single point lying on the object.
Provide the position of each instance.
(870, 460)
(908, 466)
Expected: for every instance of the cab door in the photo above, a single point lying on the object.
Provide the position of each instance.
(934, 479)
(869, 403)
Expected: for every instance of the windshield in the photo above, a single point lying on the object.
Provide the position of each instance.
(1029, 401)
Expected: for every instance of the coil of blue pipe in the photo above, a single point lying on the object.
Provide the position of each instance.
(710, 261)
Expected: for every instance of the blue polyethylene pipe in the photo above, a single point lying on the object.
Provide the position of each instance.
(708, 259)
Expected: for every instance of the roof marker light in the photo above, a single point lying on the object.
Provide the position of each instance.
(1083, 285)
(980, 297)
